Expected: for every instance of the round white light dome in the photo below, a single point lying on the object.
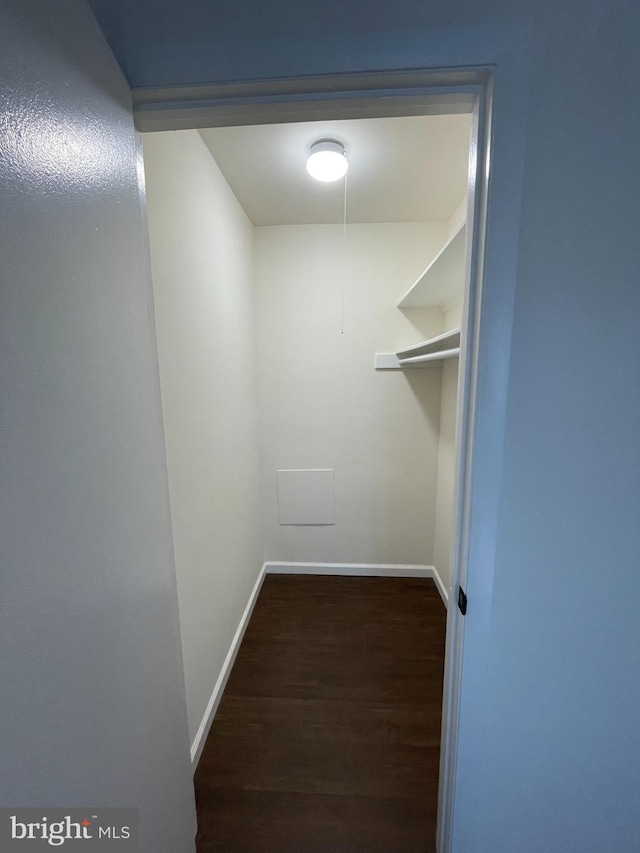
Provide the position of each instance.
(327, 161)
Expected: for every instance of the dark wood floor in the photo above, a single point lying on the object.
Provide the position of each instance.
(328, 734)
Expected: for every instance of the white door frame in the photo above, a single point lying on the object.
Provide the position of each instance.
(479, 169)
(484, 357)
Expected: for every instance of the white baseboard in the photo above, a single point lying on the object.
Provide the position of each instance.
(440, 586)
(279, 568)
(378, 570)
(212, 706)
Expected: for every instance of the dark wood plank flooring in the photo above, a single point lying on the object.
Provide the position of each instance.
(328, 734)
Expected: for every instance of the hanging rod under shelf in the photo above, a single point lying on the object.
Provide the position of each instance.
(430, 356)
(446, 345)
(390, 361)
(445, 341)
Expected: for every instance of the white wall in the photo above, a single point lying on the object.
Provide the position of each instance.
(201, 250)
(322, 403)
(457, 217)
(92, 699)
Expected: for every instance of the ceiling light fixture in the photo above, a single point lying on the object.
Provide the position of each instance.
(327, 161)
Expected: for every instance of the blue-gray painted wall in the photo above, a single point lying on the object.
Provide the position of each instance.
(549, 746)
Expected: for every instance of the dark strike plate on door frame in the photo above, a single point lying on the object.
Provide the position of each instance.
(462, 601)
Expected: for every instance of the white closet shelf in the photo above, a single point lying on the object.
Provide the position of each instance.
(439, 348)
(443, 279)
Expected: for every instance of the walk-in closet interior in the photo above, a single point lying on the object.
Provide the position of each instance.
(308, 335)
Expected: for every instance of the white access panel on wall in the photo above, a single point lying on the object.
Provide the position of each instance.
(306, 496)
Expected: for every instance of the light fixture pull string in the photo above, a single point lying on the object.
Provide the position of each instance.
(344, 252)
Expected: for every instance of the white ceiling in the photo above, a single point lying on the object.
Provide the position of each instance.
(409, 169)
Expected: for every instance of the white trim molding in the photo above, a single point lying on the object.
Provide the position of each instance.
(372, 570)
(368, 94)
(212, 706)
